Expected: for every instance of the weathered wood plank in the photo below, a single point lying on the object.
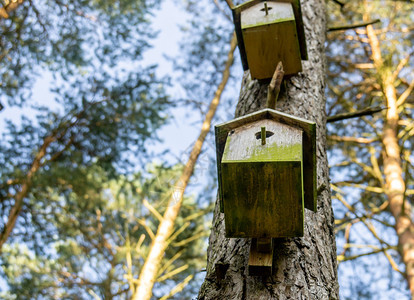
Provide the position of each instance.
(272, 41)
(267, 200)
(283, 143)
(260, 263)
(264, 244)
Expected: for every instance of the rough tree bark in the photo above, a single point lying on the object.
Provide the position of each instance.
(305, 268)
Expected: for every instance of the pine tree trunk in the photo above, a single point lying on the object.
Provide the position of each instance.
(395, 187)
(305, 268)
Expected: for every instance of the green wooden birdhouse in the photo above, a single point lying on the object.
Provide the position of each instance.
(266, 165)
(269, 32)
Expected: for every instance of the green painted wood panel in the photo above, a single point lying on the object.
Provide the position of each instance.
(309, 148)
(263, 199)
(268, 44)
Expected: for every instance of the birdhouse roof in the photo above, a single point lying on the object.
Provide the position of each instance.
(237, 10)
(308, 146)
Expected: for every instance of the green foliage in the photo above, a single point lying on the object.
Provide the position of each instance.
(206, 40)
(69, 37)
(97, 236)
(83, 231)
(84, 228)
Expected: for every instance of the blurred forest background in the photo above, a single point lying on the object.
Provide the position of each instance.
(110, 143)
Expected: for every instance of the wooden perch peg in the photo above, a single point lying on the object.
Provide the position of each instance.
(261, 257)
(263, 135)
(274, 86)
(266, 8)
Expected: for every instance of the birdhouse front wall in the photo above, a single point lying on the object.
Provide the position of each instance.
(262, 185)
(271, 38)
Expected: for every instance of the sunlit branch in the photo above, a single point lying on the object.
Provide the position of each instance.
(375, 166)
(222, 11)
(152, 210)
(172, 273)
(359, 113)
(230, 3)
(352, 139)
(9, 7)
(147, 229)
(370, 227)
(178, 288)
(401, 65)
(377, 190)
(169, 262)
(405, 94)
(178, 232)
(407, 131)
(353, 26)
(196, 236)
(366, 168)
(343, 258)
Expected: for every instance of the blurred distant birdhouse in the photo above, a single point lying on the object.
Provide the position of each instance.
(269, 32)
(266, 165)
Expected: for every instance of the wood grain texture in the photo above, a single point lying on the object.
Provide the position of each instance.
(266, 45)
(260, 262)
(297, 10)
(263, 184)
(263, 199)
(305, 268)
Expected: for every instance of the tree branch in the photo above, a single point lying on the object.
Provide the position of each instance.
(9, 7)
(274, 87)
(149, 271)
(405, 94)
(341, 4)
(351, 139)
(222, 11)
(359, 113)
(18, 204)
(37, 163)
(230, 3)
(352, 26)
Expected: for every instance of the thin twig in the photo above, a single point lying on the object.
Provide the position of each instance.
(359, 113)
(230, 4)
(341, 4)
(352, 26)
(222, 11)
(351, 139)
